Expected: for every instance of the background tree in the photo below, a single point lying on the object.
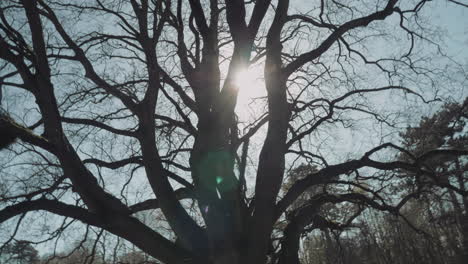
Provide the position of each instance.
(19, 252)
(432, 230)
(119, 107)
(446, 129)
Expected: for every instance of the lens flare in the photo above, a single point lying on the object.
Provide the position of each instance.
(219, 179)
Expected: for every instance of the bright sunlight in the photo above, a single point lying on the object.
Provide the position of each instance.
(251, 87)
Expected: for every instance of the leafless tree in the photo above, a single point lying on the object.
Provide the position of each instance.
(124, 106)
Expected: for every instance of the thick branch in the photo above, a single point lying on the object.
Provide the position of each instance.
(333, 171)
(181, 194)
(124, 226)
(340, 31)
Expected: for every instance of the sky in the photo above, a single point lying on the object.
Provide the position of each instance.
(450, 18)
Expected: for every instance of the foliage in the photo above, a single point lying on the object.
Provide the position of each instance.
(19, 252)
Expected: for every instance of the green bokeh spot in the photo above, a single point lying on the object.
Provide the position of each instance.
(219, 179)
(212, 169)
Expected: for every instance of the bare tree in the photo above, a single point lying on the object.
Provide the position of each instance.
(119, 107)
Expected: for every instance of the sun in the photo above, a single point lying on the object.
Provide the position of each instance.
(245, 79)
(251, 87)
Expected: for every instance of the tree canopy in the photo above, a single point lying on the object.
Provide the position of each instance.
(226, 131)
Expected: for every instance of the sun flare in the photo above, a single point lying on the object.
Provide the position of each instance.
(245, 79)
(251, 87)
